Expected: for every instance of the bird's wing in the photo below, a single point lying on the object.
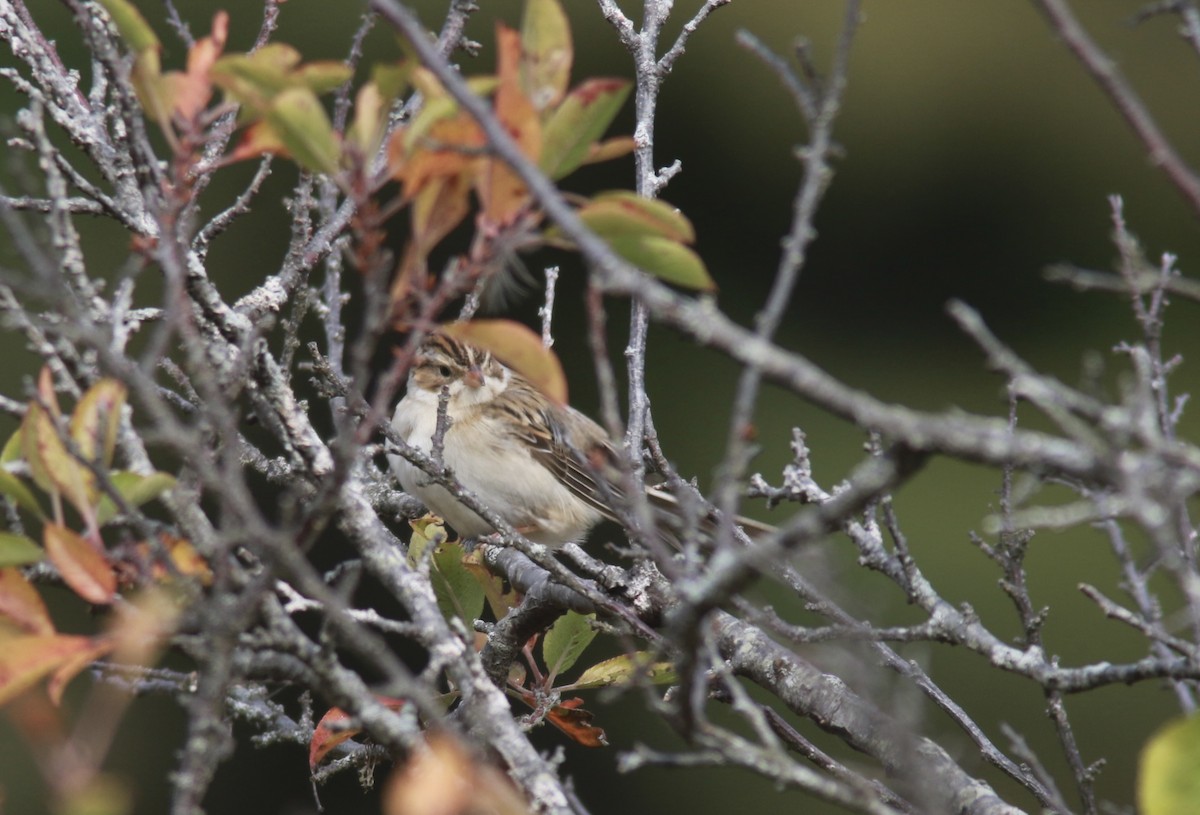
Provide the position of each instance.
(567, 443)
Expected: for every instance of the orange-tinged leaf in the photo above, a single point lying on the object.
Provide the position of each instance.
(70, 668)
(437, 780)
(502, 194)
(449, 148)
(443, 778)
(518, 347)
(437, 209)
(546, 53)
(184, 558)
(578, 122)
(665, 259)
(301, 124)
(21, 603)
(258, 139)
(335, 727)
(24, 660)
(513, 107)
(576, 723)
(82, 566)
(190, 92)
(500, 600)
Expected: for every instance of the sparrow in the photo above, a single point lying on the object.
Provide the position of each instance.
(546, 468)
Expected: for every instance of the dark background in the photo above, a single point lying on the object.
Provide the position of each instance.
(976, 152)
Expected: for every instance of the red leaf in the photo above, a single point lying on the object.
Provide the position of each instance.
(575, 722)
(335, 727)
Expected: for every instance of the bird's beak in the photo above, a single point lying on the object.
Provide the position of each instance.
(473, 378)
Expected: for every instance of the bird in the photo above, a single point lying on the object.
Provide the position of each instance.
(547, 469)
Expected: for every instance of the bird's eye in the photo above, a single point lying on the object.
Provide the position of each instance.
(445, 371)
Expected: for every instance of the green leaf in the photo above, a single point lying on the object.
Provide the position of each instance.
(131, 25)
(135, 488)
(297, 118)
(1169, 770)
(619, 670)
(579, 121)
(620, 212)
(18, 550)
(458, 591)
(665, 259)
(566, 640)
(15, 489)
(546, 53)
(324, 76)
(253, 79)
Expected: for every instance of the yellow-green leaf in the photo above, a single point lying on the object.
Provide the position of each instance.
(427, 531)
(578, 122)
(620, 212)
(566, 640)
(546, 53)
(18, 550)
(14, 449)
(52, 467)
(665, 259)
(297, 118)
(135, 488)
(253, 79)
(95, 421)
(15, 489)
(131, 25)
(620, 670)
(1169, 770)
(324, 76)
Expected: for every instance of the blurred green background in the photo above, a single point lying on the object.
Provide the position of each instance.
(976, 152)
